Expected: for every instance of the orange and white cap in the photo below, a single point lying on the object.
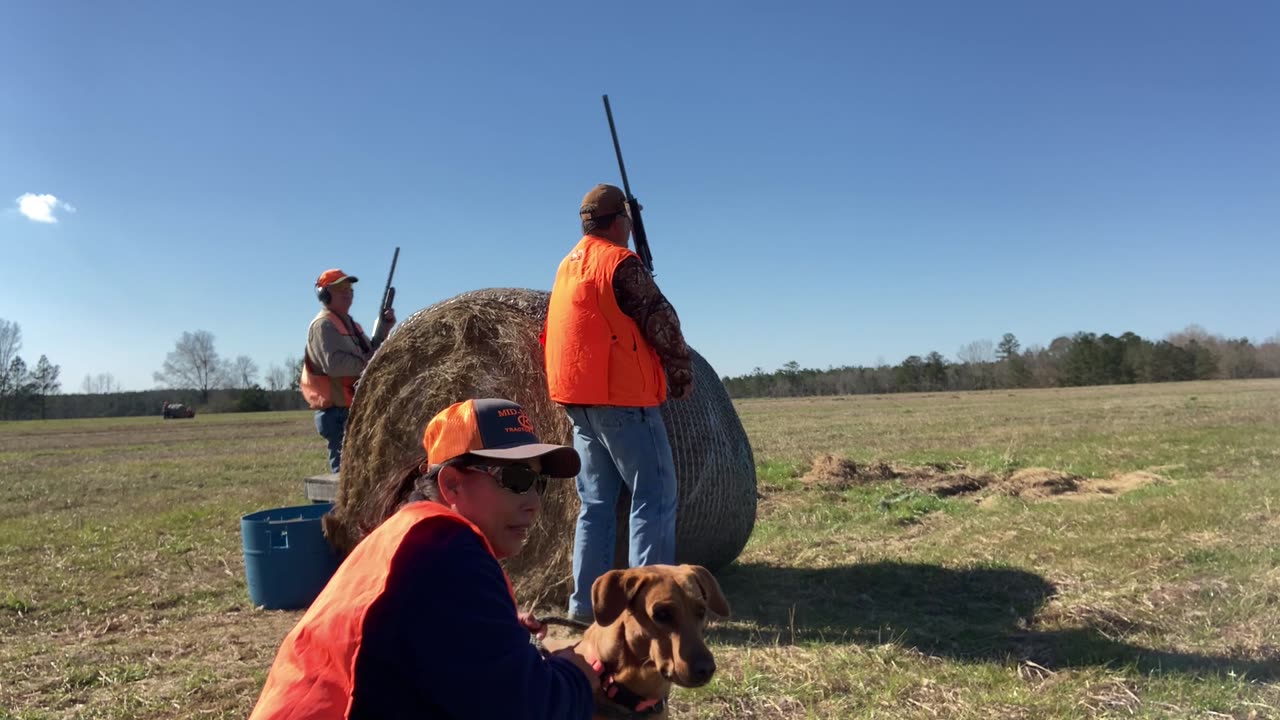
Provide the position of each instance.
(497, 429)
(333, 277)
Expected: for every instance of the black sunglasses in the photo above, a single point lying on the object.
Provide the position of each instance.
(516, 477)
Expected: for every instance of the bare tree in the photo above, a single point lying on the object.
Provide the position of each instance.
(104, 383)
(1269, 355)
(977, 352)
(10, 346)
(193, 363)
(243, 372)
(277, 378)
(108, 384)
(294, 367)
(977, 359)
(1190, 333)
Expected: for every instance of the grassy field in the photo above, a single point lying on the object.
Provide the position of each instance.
(122, 589)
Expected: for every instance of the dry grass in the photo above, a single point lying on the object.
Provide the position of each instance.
(830, 472)
(122, 591)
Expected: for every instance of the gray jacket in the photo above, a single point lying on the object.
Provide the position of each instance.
(337, 355)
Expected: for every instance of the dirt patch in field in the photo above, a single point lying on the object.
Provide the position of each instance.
(831, 472)
(1044, 484)
(947, 483)
(1040, 484)
(1126, 482)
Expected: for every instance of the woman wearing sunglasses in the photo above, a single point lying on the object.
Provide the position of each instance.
(420, 620)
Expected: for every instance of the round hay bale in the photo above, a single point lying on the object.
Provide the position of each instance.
(485, 344)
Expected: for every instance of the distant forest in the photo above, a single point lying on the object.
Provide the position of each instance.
(1081, 359)
(195, 375)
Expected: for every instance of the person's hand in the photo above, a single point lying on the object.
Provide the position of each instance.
(389, 316)
(679, 378)
(682, 390)
(572, 655)
(531, 623)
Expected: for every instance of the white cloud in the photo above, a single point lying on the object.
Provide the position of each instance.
(40, 208)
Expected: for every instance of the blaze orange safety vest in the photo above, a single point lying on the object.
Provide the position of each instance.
(595, 353)
(325, 391)
(313, 676)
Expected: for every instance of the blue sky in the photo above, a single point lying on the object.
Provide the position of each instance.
(827, 183)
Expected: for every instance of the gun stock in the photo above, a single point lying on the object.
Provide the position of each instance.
(380, 328)
(637, 222)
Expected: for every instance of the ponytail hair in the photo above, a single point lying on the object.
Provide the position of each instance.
(411, 482)
(423, 478)
(414, 481)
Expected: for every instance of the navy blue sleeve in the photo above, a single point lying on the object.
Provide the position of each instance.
(443, 641)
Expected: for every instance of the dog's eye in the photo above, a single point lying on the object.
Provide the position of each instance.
(663, 615)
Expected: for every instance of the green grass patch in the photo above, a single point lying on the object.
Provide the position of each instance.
(122, 582)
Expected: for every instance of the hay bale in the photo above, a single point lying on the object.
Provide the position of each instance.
(485, 344)
(716, 473)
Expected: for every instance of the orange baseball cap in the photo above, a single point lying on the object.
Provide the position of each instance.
(333, 277)
(497, 429)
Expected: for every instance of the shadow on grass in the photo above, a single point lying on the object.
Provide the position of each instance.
(971, 614)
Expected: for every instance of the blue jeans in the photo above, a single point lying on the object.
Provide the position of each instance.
(331, 424)
(621, 446)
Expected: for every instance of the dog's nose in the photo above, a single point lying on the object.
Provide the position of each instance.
(703, 669)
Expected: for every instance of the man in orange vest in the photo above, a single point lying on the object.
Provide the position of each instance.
(614, 350)
(420, 620)
(336, 354)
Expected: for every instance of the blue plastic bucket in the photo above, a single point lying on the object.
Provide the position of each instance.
(287, 560)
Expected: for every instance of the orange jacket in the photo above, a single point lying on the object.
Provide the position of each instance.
(325, 391)
(595, 353)
(313, 675)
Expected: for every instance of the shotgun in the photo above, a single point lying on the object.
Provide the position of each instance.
(637, 224)
(380, 329)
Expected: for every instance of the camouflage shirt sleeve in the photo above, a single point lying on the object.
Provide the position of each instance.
(639, 297)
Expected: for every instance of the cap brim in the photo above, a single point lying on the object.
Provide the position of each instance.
(557, 460)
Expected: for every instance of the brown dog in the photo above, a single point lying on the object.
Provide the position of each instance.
(647, 636)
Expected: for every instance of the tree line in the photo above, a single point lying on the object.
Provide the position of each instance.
(1082, 359)
(193, 374)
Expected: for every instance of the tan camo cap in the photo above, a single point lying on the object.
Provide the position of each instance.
(601, 201)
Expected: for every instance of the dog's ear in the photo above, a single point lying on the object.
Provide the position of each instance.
(711, 591)
(611, 594)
